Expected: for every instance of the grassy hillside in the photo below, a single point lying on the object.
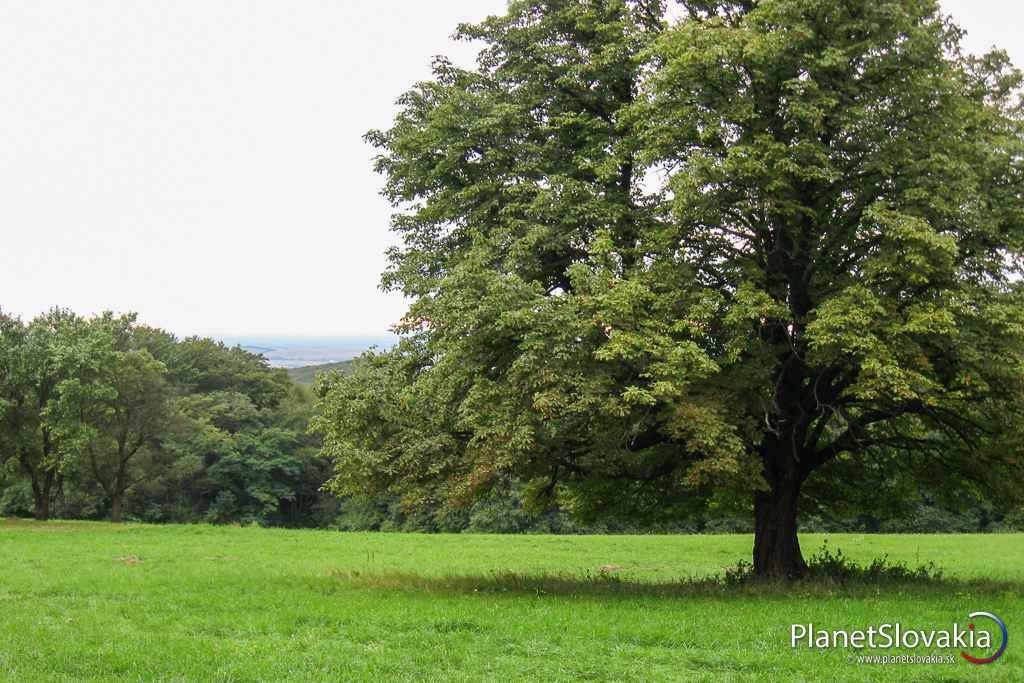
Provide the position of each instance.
(307, 374)
(91, 601)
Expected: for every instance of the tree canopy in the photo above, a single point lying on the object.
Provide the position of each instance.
(765, 255)
(104, 416)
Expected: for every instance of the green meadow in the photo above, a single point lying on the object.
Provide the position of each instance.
(86, 601)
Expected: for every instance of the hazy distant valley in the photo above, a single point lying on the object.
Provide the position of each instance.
(301, 352)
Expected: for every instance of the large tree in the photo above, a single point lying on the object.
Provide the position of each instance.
(766, 251)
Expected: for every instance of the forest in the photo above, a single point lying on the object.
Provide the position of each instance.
(104, 417)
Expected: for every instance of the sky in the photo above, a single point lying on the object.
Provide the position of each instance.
(202, 163)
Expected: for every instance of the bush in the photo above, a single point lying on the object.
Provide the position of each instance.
(835, 566)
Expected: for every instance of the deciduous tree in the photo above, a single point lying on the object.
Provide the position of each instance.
(129, 424)
(766, 252)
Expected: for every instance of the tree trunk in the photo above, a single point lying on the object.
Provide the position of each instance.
(117, 494)
(42, 507)
(776, 546)
(42, 492)
(115, 507)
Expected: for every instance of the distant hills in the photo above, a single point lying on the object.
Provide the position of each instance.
(297, 351)
(307, 374)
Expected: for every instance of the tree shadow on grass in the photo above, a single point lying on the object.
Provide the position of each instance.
(605, 584)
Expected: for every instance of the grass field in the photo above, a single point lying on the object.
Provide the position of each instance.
(91, 601)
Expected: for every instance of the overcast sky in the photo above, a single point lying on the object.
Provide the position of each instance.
(201, 162)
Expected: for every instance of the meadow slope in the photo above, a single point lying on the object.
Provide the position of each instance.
(93, 601)
(306, 375)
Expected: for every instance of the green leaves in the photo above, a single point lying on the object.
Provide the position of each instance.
(118, 417)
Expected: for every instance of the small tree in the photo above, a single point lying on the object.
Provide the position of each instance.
(769, 253)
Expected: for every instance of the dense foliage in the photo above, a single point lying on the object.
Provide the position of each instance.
(104, 417)
(760, 258)
(193, 431)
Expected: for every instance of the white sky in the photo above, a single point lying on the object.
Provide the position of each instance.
(201, 161)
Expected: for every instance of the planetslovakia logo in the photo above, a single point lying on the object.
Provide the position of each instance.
(1002, 647)
(894, 635)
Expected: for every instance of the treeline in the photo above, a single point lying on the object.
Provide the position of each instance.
(502, 512)
(107, 418)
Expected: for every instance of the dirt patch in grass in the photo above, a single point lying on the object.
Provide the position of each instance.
(54, 525)
(19, 524)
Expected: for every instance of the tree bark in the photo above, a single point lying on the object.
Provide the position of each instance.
(115, 506)
(120, 485)
(41, 493)
(776, 546)
(42, 507)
